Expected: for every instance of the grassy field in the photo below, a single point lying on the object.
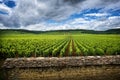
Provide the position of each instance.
(46, 45)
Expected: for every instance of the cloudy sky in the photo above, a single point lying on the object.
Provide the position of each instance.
(59, 14)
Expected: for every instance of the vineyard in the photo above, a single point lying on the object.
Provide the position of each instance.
(59, 45)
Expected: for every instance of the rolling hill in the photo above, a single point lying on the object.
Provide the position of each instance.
(75, 31)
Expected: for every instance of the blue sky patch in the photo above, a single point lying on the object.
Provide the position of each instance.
(10, 4)
(1, 2)
(82, 13)
(4, 13)
(114, 12)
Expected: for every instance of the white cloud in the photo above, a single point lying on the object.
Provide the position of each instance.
(97, 14)
(88, 4)
(32, 14)
(3, 27)
(1, 0)
(5, 9)
(112, 7)
(108, 23)
(79, 21)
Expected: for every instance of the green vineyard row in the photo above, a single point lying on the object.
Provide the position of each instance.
(87, 45)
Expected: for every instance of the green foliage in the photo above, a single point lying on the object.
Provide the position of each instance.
(99, 51)
(29, 45)
(85, 52)
(46, 52)
(91, 51)
(70, 49)
(78, 51)
(56, 51)
(113, 51)
(62, 52)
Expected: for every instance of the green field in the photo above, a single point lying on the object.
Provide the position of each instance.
(44, 45)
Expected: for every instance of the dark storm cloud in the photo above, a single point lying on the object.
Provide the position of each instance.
(73, 2)
(110, 1)
(9, 22)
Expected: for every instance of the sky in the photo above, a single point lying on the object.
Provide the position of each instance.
(45, 15)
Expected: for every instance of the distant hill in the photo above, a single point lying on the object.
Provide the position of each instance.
(75, 31)
(113, 31)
